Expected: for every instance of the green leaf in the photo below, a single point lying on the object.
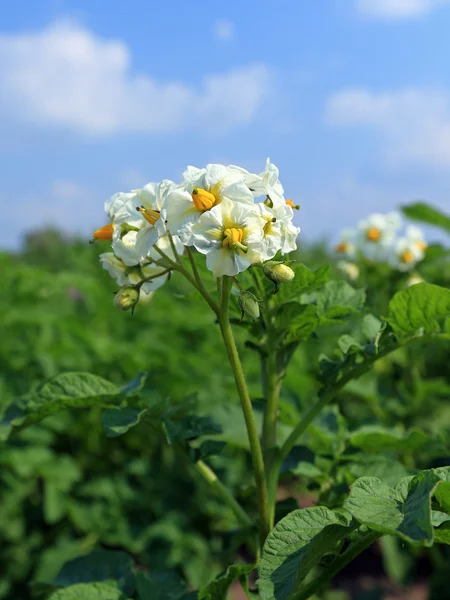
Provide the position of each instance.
(385, 468)
(416, 309)
(420, 211)
(296, 544)
(335, 300)
(442, 534)
(438, 517)
(88, 591)
(69, 390)
(305, 280)
(217, 589)
(108, 566)
(375, 438)
(442, 495)
(118, 420)
(189, 428)
(159, 585)
(404, 511)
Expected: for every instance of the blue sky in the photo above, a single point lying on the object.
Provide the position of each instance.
(350, 98)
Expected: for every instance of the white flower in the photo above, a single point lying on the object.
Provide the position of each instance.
(289, 233)
(376, 234)
(231, 236)
(278, 232)
(139, 210)
(138, 220)
(416, 237)
(351, 269)
(124, 275)
(407, 253)
(201, 191)
(266, 183)
(347, 241)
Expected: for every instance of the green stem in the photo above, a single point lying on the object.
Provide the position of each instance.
(352, 552)
(177, 266)
(252, 432)
(151, 277)
(198, 280)
(222, 491)
(269, 436)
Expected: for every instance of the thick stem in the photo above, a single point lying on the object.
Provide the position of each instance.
(222, 491)
(252, 432)
(352, 552)
(269, 436)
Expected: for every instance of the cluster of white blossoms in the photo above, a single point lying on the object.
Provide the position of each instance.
(233, 217)
(378, 239)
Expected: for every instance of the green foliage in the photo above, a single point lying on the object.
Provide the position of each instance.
(105, 500)
(418, 309)
(296, 544)
(420, 211)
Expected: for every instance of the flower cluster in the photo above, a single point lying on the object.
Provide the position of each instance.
(377, 239)
(233, 217)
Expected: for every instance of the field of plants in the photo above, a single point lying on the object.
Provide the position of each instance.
(281, 433)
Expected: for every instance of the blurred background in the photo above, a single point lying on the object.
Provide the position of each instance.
(351, 100)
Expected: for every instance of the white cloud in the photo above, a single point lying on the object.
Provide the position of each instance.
(413, 124)
(224, 30)
(65, 75)
(397, 9)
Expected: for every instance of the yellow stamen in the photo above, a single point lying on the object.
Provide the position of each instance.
(290, 203)
(268, 226)
(233, 239)
(104, 233)
(151, 216)
(407, 257)
(373, 234)
(203, 200)
(341, 247)
(421, 245)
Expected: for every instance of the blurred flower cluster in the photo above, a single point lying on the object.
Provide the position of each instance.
(379, 239)
(234, 217)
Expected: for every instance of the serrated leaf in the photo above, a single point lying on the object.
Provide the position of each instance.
(421, 211)
(118, 420)
(88, 591)
(375, 438)
(404, 511)
(69, 390)
(296, 544)
(217, 589)
(416, 309)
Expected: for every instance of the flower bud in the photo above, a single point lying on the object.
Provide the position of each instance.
(104, 233)
(127, 297)
(249, 305)
(278, 272)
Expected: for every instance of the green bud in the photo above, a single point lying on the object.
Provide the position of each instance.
(278, 271)
(127, 297)
(249, 305)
